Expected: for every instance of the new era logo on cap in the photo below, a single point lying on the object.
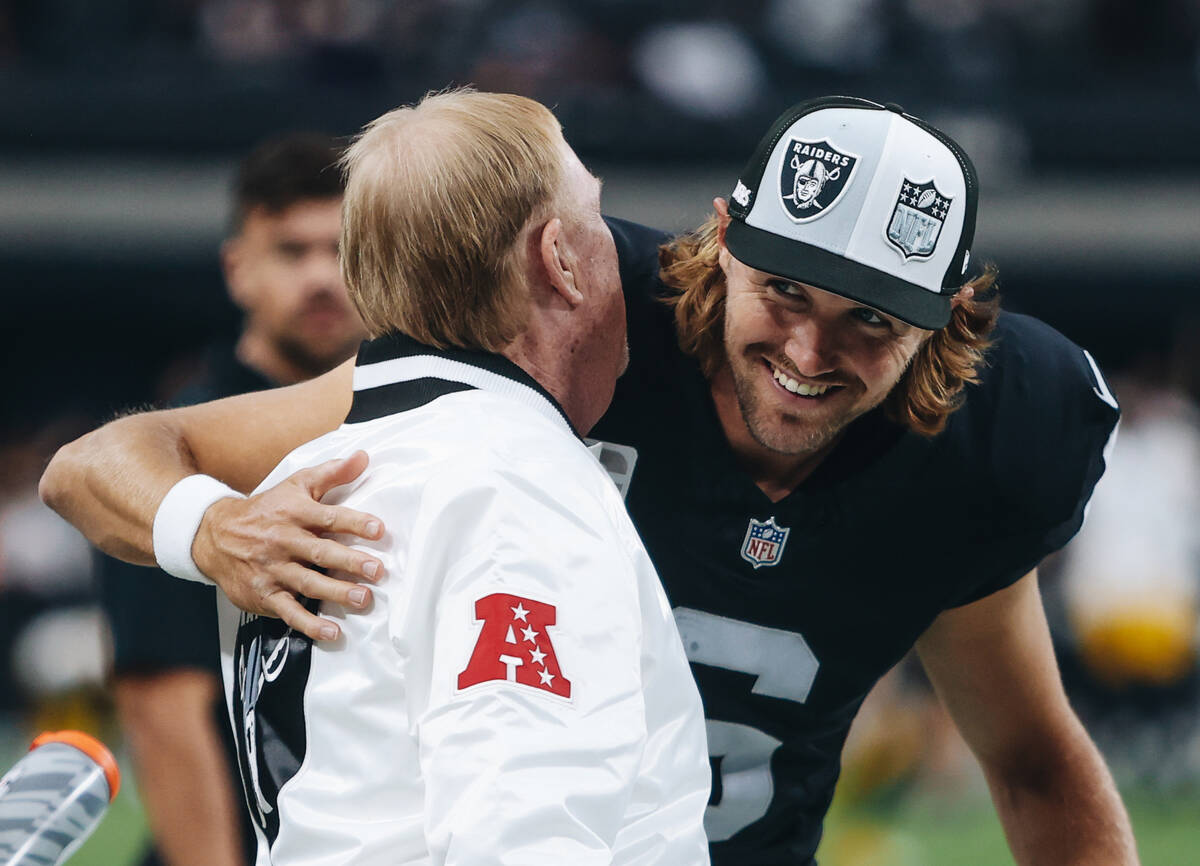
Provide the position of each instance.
(861, 200)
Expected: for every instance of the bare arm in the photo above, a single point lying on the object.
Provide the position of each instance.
(110, 482)
(993, 666)
(182, 771)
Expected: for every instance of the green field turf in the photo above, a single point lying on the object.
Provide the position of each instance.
(929, 833)
(913, 833)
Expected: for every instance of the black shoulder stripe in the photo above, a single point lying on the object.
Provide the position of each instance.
(396, 397)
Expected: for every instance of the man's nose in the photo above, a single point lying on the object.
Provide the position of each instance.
(812, 347)
(322, 271)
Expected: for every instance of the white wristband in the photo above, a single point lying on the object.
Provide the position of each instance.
(177, 520)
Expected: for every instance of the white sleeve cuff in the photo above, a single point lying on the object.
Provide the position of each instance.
(177, 519)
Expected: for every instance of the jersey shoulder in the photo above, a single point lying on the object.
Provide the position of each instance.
(653, 347)
(471, 441)
(638, 259)
(1039, 420)
(223, 375)
(637, 253)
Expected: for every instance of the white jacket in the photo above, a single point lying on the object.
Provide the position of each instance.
(517, 694)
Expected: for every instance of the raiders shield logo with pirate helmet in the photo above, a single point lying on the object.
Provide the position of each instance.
(917, 219)
(813, 177)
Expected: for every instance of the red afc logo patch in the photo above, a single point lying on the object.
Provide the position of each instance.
(514, 645)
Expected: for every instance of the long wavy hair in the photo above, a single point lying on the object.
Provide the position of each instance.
(928, 392)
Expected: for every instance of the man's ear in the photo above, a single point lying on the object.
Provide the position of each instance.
(723, 255)
(233, 268)
(556, 261)
(722, 208)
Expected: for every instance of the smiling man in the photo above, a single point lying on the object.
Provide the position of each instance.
(843, 450)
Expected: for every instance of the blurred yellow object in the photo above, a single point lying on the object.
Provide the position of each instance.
(82, 709)
(885, 754)
(1140, 645)
(869, 843)
(886, 743)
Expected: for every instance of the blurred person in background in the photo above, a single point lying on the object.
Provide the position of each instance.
(1130, 590)
(280, 264)
(47, 594)
(844, 449)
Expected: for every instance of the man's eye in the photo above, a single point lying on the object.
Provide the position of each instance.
(866, 314)
(784, 288)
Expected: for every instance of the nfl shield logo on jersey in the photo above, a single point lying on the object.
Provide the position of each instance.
(813, 177)
(917, 219)
(764, 542)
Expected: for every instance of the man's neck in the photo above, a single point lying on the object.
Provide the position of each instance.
(576, 387)
(259, 355)
(775, 474)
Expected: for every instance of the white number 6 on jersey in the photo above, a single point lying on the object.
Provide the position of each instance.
(785, 668)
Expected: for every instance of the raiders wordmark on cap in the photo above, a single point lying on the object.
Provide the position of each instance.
(861, 200)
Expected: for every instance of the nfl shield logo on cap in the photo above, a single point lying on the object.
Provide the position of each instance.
(917, 219)
(764, 542)
(861, 200)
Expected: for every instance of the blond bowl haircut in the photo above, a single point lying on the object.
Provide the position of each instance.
(437, 196)
(930, 389)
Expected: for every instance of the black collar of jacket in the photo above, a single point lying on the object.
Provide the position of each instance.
(385, 388)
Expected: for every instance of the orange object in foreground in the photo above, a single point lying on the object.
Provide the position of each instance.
(54, 797)
(91, 747)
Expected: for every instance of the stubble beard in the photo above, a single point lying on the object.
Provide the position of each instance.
(778, 434)
(313, 360)
(781, 433)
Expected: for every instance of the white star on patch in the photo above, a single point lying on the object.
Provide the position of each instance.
(546, 676)
(519, 612)
(537, 655)
(530, 635)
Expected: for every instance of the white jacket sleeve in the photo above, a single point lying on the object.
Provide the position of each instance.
(522, 635)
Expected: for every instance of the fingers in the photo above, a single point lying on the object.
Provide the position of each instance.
(291, 611)
(331, 520)
(336, 518)
(322, 478)
(332, 556)
(295, 578)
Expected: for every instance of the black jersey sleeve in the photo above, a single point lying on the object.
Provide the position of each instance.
(651, 330)
(637, 256)
(160, 623)
(1038, 427)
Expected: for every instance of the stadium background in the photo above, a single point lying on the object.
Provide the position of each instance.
(120, 123)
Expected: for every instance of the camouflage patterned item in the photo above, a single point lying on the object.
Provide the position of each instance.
(53, 798)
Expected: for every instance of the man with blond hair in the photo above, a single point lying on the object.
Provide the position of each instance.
(517, 693)
(843, 450)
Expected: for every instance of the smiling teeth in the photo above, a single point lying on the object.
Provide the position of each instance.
(799, 387)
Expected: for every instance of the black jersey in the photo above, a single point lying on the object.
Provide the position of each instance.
(791, 611)
(160, 624)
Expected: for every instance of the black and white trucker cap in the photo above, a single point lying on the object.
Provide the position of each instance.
(861, 200)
